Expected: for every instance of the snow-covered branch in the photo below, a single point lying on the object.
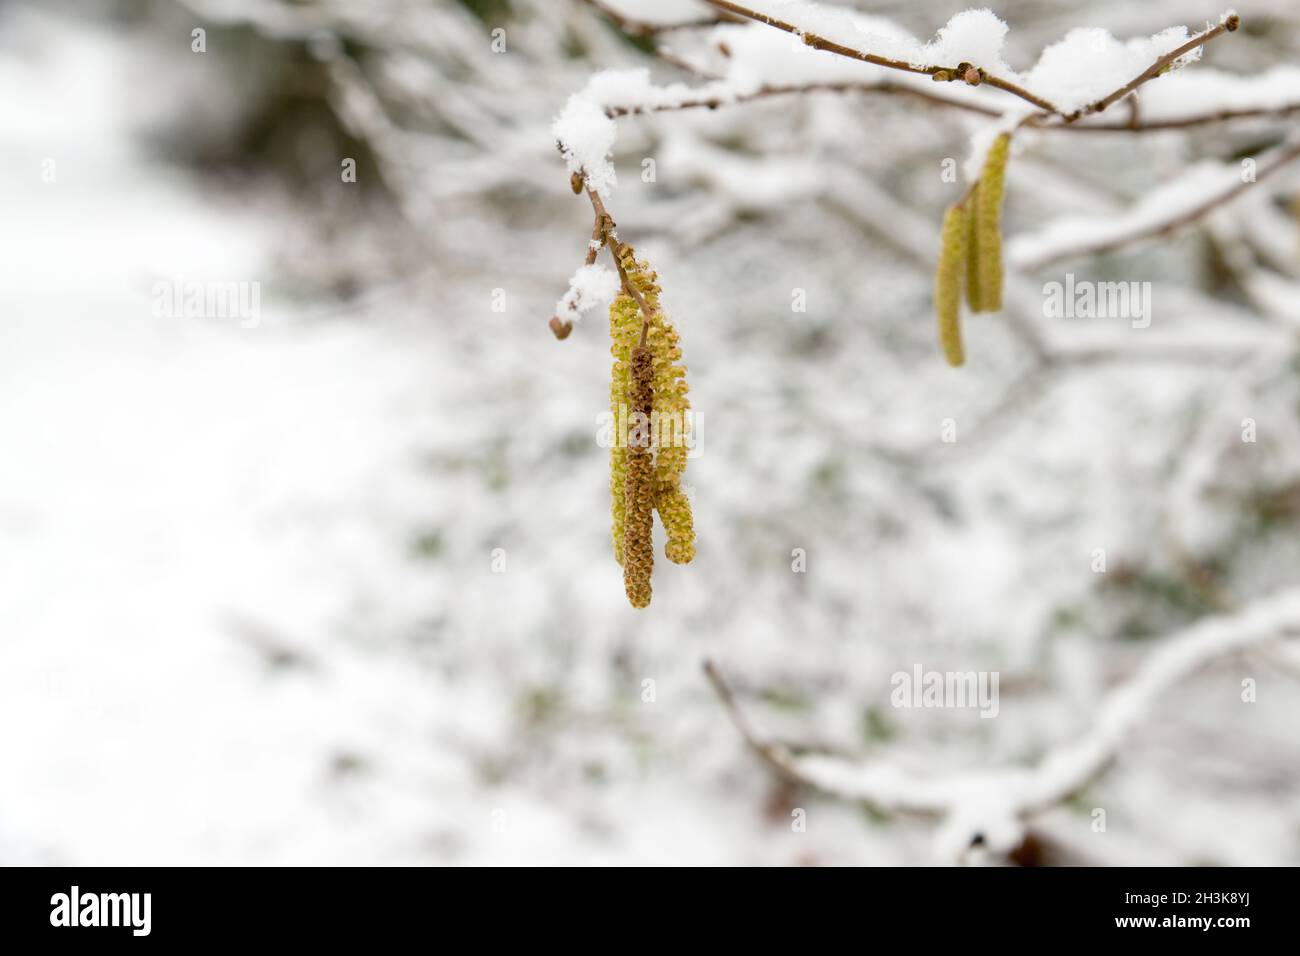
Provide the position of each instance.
(991, 806)
(1197, 192)
(969, 49)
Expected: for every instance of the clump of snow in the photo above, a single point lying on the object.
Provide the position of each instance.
(976, 36)
(865, 33)
(1089, 63)
(586, 136)
(585, 131)
(757, 56)
(590, 287)
(972, 36)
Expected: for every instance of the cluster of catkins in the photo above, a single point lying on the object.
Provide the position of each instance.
(647, 395)
(971, 252)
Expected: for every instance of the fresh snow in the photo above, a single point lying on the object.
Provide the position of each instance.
(591, 286)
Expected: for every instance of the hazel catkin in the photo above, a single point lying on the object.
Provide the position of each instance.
(948, 282)
(973, 298)
(987, 201)
(625, 322)
(650, 410)
(638, 547)
(671, 408)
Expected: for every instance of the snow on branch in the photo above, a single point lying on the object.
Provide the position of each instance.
(1077, 77)
(994, 804)
(1084, 73)
(1196, 192)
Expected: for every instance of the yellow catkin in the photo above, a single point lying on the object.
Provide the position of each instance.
(973, 297)
(671, 410)
(625, 332)
(675, 513)
(988, 223)
(947, 283)
(638, 546)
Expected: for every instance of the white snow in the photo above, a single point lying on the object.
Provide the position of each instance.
(591, 286)
(1089, 63)
(586, 134)
(247, 606)
(972, 36)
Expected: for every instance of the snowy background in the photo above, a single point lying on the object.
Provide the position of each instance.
(248, 608)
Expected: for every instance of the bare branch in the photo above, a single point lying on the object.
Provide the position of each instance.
(970, 106)
(976, 76)
(1227, 24)
(830, 46)
(713, 102)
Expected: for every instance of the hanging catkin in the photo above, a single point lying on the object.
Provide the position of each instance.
(638, 548)
(671, 407)
(650, 408)
(988, 224)
(973, 297)
(948, 282)
(625, 321)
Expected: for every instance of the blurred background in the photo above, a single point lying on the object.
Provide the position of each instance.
(329, 580)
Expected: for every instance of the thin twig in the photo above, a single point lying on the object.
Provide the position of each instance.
(970, 106)
(713, 102)
(830, 46)
(605, 222)
(1227, 24)
(976, 76)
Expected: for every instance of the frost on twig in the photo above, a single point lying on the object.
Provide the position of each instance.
(994, 804)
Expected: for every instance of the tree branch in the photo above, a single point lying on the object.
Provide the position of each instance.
(938, 72)
(1227, 24)
(902, 89)
(1028, 262)
(975, 76)
(1016, 793)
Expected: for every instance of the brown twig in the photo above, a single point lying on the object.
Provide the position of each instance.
(605, 225)
(713, 102)
(1227, 24)
(976, 76)
(602, 231)
(938, 72)
(1129, 125)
